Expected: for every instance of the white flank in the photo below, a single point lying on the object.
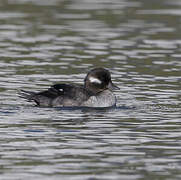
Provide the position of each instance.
(94, 80)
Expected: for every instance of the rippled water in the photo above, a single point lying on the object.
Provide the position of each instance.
(43, 42)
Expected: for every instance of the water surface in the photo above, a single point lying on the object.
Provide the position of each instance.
(44, 42)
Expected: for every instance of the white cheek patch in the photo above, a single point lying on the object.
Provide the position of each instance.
(94, 80)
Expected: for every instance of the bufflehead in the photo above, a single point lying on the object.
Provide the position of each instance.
(96, 92)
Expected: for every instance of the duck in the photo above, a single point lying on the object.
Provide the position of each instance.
(97, 91)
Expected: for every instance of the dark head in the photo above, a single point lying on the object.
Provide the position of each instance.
(98, 80)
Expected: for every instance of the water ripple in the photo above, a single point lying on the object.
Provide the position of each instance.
(47, 42)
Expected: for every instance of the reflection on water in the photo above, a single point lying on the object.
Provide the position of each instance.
(44, 42)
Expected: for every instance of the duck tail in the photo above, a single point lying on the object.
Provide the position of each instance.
(28, 95)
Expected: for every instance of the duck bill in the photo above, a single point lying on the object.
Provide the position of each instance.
(112, 86)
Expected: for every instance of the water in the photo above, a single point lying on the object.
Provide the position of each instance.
(44, 42)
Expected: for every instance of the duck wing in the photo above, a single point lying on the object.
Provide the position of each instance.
(59, 93)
